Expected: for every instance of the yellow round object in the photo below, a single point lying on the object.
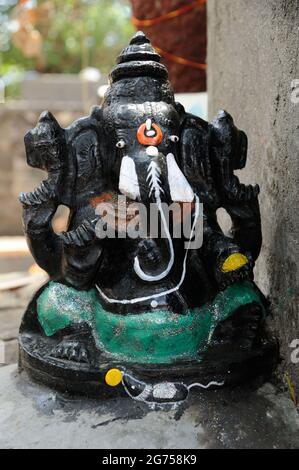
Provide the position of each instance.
(113, 377)
(233, 262)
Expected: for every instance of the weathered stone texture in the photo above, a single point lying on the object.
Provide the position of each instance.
(35, 417)
(253, 59)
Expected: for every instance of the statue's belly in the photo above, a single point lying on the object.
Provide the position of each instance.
(121, 290)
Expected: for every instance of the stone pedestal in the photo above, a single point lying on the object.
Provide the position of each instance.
(37, 418)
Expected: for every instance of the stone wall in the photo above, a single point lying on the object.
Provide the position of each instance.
(253, 58)
(15, 176)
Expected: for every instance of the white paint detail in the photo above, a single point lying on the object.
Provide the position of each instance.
(217, 384)
(153, 179)
(121, 144)
(169, 291)
(164, 390)
(148, 124)
(152, 151)
(128, 181)
(154, 304)
(145, 393)
(150, 133)
(180, 189)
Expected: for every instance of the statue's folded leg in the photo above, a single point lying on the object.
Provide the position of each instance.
(67, 309)
(67, 314)
(232, 266)
(81, 324)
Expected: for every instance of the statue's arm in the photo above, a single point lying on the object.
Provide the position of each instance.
(82, 251)
(229, 153)
(225, 257)
(71, 157)
(45, 246)
(46, 150)
(82, 248)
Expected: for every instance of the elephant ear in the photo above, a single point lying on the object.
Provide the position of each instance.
(229, 152)
(84, 140)
(195, 158)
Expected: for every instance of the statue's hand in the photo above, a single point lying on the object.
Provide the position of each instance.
(81, 254)
(232, 189)
(45, 193)
(234, 268)
(149, 253)
(38, 211)
(82, 236)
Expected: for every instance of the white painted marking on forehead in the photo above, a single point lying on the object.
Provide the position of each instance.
(148, 124)
(152, 151)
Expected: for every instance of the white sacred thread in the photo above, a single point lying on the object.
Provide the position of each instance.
(218, 384)
(169, 291)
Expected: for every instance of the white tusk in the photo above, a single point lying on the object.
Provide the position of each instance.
(180, 189)
(128, 181)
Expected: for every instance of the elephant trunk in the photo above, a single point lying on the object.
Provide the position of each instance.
(153, 179)
(150, 178)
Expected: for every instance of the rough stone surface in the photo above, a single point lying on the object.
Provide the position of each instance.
(12, 307)
(253, 59)
(15, 176)
(36, 417)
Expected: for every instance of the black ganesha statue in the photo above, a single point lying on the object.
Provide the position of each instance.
(137, 312)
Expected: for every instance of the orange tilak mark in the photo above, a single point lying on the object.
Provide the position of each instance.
(168, 16)
(145, 140)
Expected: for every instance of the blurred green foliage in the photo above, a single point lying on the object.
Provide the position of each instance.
(81, 33)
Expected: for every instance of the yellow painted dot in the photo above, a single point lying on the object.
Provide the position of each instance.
(113, 377)
(233, 262)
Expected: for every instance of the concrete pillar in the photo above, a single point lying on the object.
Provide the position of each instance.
(253, 65)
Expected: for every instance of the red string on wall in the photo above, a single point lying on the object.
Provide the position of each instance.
(171, 57)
